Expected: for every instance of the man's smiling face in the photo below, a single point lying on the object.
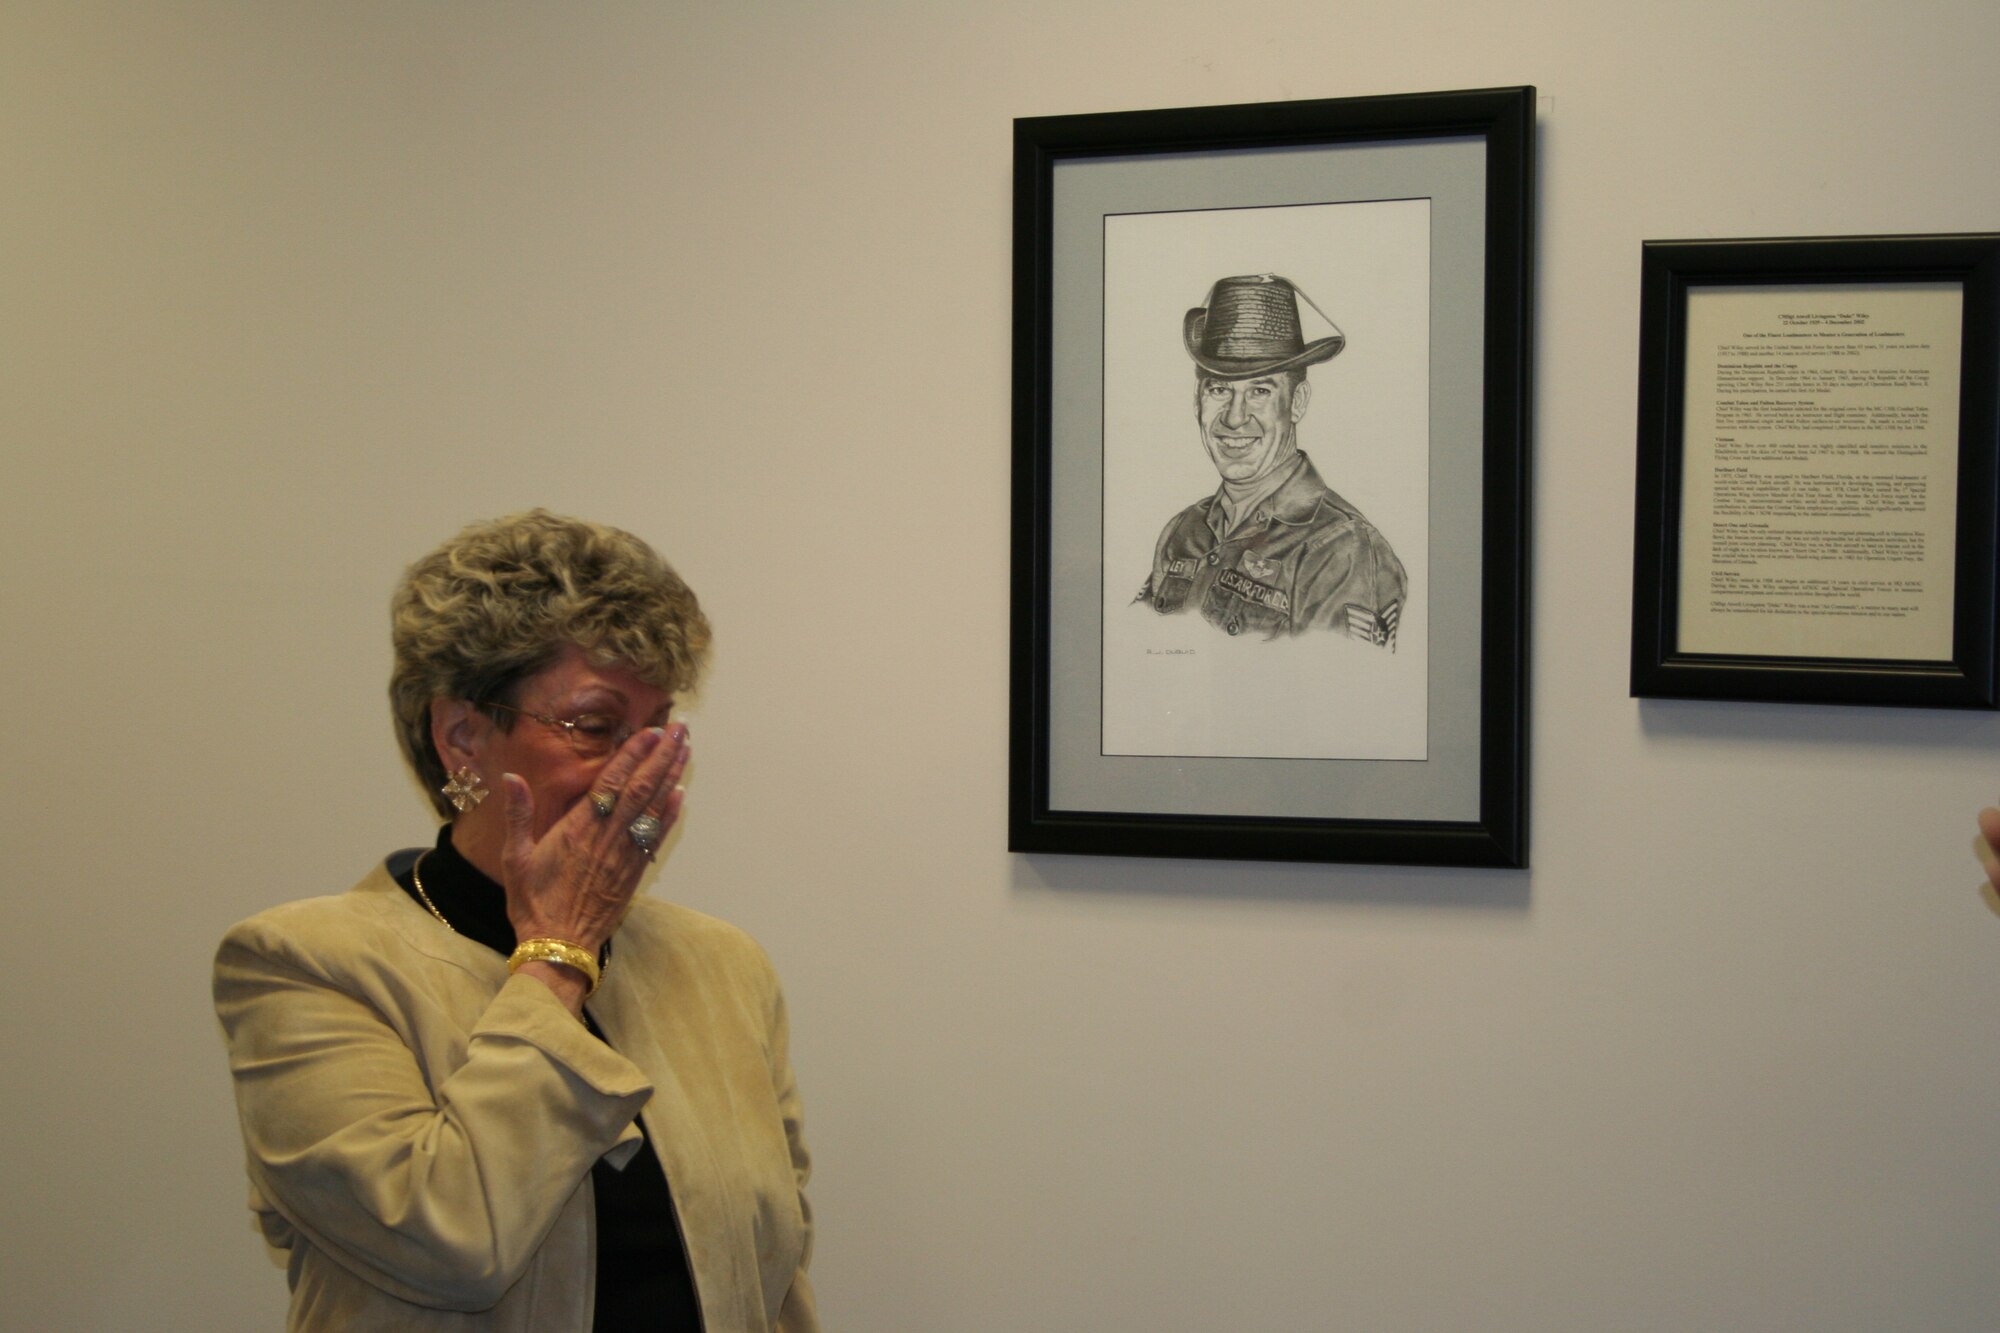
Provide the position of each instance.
(1249, 426)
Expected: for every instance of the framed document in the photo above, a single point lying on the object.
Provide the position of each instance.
(1817, 438)
(1270, 480)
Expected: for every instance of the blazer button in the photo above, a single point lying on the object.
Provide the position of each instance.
(1214, 557)
(1234, 627)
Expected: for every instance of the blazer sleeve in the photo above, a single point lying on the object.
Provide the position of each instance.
(434, 1184)
(798, 1314)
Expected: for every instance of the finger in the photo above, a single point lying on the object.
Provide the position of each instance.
(520, 811)
(666, 810)
(631, 755)
(1984, 846)
(1982, 851)
(666, 802)
(642, 790)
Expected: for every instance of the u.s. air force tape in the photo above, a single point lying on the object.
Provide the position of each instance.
(1270, 598)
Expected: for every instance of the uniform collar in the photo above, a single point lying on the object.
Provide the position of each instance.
(1296, 501)
(1299, 499)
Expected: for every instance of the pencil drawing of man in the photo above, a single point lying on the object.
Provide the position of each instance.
(1275, 551)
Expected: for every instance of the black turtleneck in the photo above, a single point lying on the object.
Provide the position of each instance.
(642, 1272)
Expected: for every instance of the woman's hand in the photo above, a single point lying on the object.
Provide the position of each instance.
(575, 882)
(1987, 845)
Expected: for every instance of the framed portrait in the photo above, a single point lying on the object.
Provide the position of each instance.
(1816, 502)
(1271, 373)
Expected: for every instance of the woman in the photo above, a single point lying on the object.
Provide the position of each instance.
(441, 1132)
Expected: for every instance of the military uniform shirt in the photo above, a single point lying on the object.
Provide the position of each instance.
(1302, 559)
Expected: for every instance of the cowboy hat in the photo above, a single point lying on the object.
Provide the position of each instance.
(1250, 326)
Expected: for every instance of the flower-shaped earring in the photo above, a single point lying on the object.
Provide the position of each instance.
(464, 790)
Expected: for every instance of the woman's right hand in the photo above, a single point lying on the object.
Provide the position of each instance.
(576, 881)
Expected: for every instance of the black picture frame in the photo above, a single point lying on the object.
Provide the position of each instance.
(1665, 663)
(1462, 800)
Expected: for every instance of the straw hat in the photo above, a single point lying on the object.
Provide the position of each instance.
(1250, 326)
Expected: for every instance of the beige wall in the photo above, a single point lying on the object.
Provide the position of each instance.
(287, 292)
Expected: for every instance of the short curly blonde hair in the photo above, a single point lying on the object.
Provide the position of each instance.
(501, 600)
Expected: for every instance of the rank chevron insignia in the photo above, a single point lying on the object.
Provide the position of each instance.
(1377, 628)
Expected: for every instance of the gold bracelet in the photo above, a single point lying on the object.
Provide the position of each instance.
(556, 951)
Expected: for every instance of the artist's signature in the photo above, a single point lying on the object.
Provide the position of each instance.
(1170, 652)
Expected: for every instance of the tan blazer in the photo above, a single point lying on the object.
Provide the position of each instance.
(420, 1127)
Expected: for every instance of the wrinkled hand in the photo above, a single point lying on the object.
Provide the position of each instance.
(1987, 845)
(575, 882)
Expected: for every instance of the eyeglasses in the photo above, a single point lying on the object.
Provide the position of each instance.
(591, 735)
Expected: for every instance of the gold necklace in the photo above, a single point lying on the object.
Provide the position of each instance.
(603, 955)
(418, 880)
